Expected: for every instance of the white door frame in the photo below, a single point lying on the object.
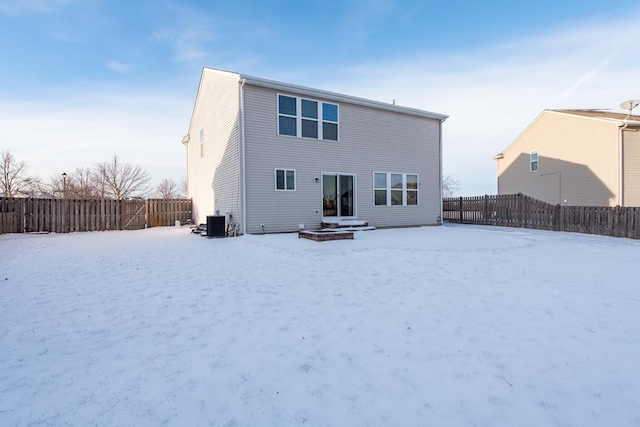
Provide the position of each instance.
(355, 194)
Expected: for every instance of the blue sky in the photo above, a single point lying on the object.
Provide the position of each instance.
(83, 79)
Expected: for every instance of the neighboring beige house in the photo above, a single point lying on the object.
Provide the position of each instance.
(276, 157)
(575, 157)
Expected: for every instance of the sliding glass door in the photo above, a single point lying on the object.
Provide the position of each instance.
(338, 195)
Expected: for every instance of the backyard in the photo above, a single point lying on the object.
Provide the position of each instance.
(453, 325)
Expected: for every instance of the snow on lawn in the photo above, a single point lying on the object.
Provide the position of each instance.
(452, 325)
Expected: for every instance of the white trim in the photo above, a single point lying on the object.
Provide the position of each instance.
(319, 120)
(338, 97)
(243, 162)
(620, 167)
(441, 172)
(201, 145)
(389, 189)
(537, 160)
(275, 179)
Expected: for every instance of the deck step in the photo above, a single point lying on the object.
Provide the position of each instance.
(325, 235)
(345, 223)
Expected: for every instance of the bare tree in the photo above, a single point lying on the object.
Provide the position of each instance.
(184, 188)
(450, 185)
(79, 184)
(167, 189)
(100, 184)
(120, 180)
(14, 180)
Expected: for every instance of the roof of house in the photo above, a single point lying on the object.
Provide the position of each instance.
(331, 96)
(620, 118)
(600, 114)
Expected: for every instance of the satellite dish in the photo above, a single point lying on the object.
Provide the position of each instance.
(630, 104)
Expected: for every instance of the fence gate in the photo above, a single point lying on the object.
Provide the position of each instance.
(133, 214)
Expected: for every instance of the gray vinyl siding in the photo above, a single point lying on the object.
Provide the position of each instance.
(631, 144)
(214, 180)
(369, 140)
(578, 161)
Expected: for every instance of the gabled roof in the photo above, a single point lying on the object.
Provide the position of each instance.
(330, 96)
(599, 114)
(620, 119)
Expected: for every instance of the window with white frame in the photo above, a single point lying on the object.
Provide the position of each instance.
(285, 179)
(395, 189)
(307, 118)
(201, 142)
(533, 161)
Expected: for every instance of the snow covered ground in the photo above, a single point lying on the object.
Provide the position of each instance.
(439, 326)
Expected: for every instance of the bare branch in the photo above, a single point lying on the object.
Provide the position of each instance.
(121, 180)
(167, 189)
(13, 177)
(450, 185)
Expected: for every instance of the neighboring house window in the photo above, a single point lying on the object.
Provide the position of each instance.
(395, 189)
(285, 179)
(533, 159)
(201, 142)
(307, 118)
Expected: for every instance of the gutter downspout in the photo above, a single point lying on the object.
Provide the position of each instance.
(621, 165)
(243, 175)
(440, 143)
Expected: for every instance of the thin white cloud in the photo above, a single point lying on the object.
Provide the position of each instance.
(595, 71)
(361, 21)
(188, 35)
(118, 67)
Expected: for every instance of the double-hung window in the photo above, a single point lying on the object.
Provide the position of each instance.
(533, 161)
(307, 118)
(329, 121)
(287, 115)
(285, 180)
(395, 189)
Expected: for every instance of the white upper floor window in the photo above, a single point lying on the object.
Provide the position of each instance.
(307, 118)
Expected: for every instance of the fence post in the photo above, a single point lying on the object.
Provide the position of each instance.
(460, 209)
(486, 209)
(519, 208)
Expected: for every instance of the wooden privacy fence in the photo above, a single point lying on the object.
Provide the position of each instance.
(20, 215)
(518, 210)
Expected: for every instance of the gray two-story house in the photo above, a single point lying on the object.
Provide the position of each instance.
(276, 157)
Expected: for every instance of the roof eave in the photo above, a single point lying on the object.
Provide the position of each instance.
(333, 96)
